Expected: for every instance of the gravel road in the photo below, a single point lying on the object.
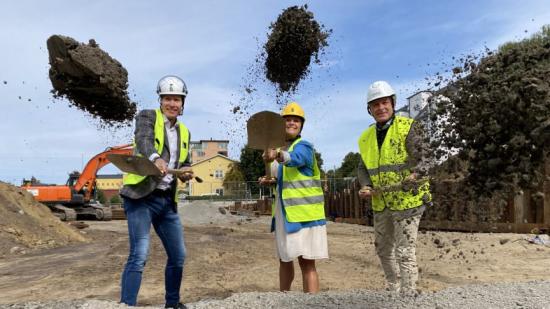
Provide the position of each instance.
(534, 294)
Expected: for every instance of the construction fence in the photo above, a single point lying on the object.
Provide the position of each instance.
(522, 213)
(519, 213)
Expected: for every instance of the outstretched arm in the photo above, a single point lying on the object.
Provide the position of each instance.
(301, 155)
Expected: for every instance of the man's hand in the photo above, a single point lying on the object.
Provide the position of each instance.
(267, 181)
(411, 178)
(161, 165)
(366, 192)
(269, 155)
(187, 174)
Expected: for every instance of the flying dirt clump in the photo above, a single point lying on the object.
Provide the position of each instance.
(496, 116)
(90, 79)
(294, 39)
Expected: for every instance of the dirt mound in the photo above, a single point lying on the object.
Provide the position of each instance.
(497, 116)
(295, 38)
(90, 79)
(26, 224)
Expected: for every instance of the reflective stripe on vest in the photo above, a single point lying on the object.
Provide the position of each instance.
(388, 166)
(133, 179)
(302, 195)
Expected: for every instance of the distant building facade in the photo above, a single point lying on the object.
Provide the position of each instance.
(110, 184)
(204, 149)
(417, 106)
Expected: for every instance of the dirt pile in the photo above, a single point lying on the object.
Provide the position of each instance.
(496, 117)
(26, 224)
(295, 38)
(91, 79)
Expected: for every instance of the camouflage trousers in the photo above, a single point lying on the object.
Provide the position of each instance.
(395, 243)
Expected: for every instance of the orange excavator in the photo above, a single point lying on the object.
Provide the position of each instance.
(76, 198)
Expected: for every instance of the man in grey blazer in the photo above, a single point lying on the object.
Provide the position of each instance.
(150, 200)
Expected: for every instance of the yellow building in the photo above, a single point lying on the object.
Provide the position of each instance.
(109, 182)
(212, 171)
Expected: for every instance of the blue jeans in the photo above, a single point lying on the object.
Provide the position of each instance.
(141, 213)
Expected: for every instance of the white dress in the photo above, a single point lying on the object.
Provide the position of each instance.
(309, 242)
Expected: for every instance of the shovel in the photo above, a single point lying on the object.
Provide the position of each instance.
(266, 130)
(141, 166)
(405, 185)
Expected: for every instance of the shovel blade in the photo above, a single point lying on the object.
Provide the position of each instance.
(265, 130)
(134, 164)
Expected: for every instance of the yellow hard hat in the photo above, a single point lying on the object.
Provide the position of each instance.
(293, 109)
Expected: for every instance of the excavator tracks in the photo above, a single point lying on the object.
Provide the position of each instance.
(64, 213)
(103, 214)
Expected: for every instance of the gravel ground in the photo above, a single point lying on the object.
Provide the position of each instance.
(205, 212)
(534, 294)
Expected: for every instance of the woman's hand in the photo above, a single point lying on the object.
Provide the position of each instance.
(269, 155)
(267, 181)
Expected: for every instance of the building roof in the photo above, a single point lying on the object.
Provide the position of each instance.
(109, 176)
(404, 108)
(210, 140)
(421, 91)
(210, 158)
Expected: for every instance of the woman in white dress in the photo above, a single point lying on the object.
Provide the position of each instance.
(298, 212)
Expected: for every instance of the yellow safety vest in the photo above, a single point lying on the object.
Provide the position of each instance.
(389, 166)
(133, 179)
(302, 195)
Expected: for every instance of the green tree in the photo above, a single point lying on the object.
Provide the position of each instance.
(233, 182)
(348, 168)
(252, 166)
(320, 163)
(115, 199)
(100, 196)
(349, 165)
(331, 173)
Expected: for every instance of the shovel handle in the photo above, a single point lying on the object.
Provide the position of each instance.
(178, 172)
(267, 169)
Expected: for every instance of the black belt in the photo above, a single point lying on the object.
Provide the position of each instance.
(160, 192)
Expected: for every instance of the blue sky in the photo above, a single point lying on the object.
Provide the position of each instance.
(211, 45)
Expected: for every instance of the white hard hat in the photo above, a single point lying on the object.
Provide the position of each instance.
(380, 89)
(171, 85)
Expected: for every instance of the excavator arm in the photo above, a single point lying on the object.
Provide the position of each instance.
(86, 182)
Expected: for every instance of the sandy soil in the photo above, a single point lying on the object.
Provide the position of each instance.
(239, 256)
(26, 225)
